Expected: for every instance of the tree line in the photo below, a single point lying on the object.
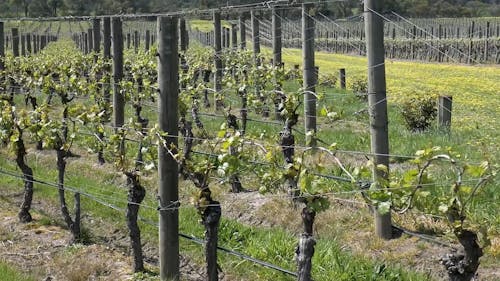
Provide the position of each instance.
(409, 8)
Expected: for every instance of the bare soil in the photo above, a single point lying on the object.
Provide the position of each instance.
(43, 249)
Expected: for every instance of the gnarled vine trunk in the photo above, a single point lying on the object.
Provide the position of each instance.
(305, 249)
(24, 214)
(462, 266)
(211, 219)
(136, 194)
(287, 143)
(74, 226)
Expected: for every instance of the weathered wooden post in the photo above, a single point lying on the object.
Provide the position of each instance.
(234, 37)
(255, 36)
(118, 98)
(309, 75)
(444, 112)
(377, 101)
(15, 41)
(136, 41)
(218, 57)
(106, 46)
(96, 32)
(147, 40)
(168, 191)
(276, 33)
(243, 33)
(183, 35)
(90, 38)
(28, 43)
(342, 78)
(2, 47)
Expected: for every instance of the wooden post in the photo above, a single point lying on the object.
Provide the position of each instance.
(218, 53)
(255, 36)
(15, 42)
(118, 99)
(96, 32)
(90, 38)
(168, 82)
(86, 47)
(276, 33)
(23, 45)
(471, 36)
(223, 37)
(2, 48)
(444, 112)
(43, 41)
(377, 101)
(35, 43)
(136, 41)
(342, 78)
(147, 40)
(128, 41)
(309, 75)
(28, 43)
(486, 42)
(243, 32)
(234, 37)
(183, 34)
(106, 46)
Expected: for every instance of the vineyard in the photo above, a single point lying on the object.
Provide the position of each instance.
(241, 148)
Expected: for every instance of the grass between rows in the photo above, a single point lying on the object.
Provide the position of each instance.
(274, 245)
(9, 273)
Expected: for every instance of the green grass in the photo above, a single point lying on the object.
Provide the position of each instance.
(9, 273)
(273, 245)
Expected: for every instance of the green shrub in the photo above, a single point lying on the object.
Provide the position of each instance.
(419, 112)
(359, 85)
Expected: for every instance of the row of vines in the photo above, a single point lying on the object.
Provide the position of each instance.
(60, 100)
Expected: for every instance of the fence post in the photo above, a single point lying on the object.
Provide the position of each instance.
(118, 99)
(15, 42)
(342, 78)
(183, 35)
(35, 43)
(276, 33)
(28, 43)
(106, 32)
(90, 38)
(234, 37)
(377, 101)
(23, 45)
(255, 37)
(43, 41)
(223, 37)
(2, 47)
(86, 47)
(136, 41)
(486, 41)
(168, 82)
(96, 32)
(444, 112)
(147, 40)
(243, 32)
(218, 58)
(309, 74)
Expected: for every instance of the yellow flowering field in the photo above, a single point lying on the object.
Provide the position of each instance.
(475, 89)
